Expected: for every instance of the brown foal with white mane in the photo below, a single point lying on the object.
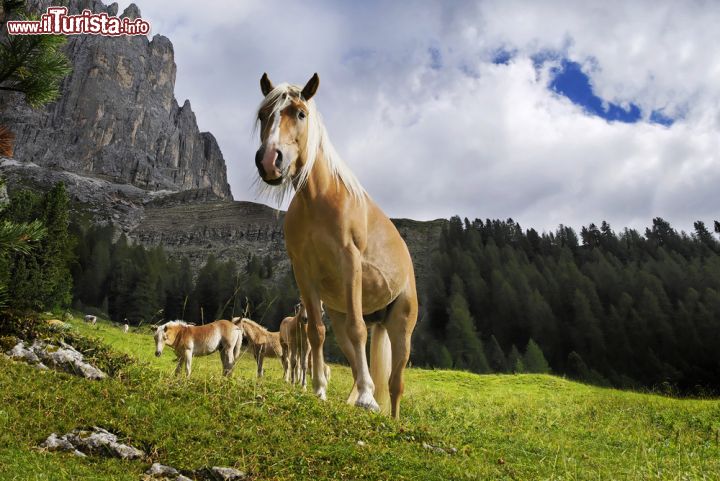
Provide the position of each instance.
(344, 250)
(263, 342)
(188, 341)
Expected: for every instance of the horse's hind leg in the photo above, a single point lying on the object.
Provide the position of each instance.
(400, 322)
(226, 356)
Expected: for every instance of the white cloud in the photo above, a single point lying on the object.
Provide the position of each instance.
(474, 138)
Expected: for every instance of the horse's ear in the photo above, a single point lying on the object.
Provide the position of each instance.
(266, 85)
(311, 87)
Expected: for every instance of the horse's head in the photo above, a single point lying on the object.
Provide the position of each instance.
(162, 336)
(285, 117)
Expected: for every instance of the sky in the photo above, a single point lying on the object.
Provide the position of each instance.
(544, 112)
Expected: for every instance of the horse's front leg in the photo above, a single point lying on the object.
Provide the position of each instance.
(260, 361)
(356, 330)
(285, 360)
(304, 354)
(188, 362)
(180, 364)
(316, 336)
(293, 366)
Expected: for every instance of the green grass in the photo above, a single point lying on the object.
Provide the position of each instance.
(516, 427)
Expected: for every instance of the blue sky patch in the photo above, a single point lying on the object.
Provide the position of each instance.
(657, 117)
(570, 81)
(502, 57)
(435, 58)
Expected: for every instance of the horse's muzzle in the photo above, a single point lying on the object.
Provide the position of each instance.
(264, 162)
(158, 353)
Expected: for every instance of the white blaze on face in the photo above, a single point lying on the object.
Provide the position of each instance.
(271, 147)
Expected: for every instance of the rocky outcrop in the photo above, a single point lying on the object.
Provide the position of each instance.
(117, 118)
(99, 441)
(61, 358)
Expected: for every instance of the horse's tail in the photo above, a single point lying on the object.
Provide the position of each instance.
(381, 365)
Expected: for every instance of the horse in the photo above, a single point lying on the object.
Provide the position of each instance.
(91, 319)
(188, 341)
(344, 250)
(263, 342)
(295, 346)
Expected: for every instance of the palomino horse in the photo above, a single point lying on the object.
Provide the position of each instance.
(188, 341)
(344, 250)
(263, 342)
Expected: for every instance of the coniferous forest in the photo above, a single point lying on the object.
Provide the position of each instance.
(627, 309)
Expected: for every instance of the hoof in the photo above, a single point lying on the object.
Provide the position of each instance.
(367, 402)
(321, 394)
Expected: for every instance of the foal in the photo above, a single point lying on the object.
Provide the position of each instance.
(189, 340)
(295, 346)
(263, 342)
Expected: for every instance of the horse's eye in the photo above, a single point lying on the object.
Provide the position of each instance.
(301, 115)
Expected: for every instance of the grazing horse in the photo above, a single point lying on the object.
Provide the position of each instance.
(344, 250)
(91, 319)
(188, 341)
(263, 342)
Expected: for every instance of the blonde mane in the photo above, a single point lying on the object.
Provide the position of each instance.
(317, 140)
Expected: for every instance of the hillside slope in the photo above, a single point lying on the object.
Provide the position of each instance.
(503, 427)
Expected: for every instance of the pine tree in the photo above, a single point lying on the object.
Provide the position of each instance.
(534, 359)
(515, 361)
(31, 64)
(576, 367)
(496, 356)
(462, 342)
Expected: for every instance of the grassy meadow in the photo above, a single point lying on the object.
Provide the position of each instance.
(514, 427)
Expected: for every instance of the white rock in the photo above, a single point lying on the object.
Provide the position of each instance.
(54, 443)
(228, 474)
(158, 469)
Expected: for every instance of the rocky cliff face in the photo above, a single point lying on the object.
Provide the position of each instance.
(117, 118)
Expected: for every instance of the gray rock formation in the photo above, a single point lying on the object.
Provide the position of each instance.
(117, 117)
(97, 442)
(61, 358)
